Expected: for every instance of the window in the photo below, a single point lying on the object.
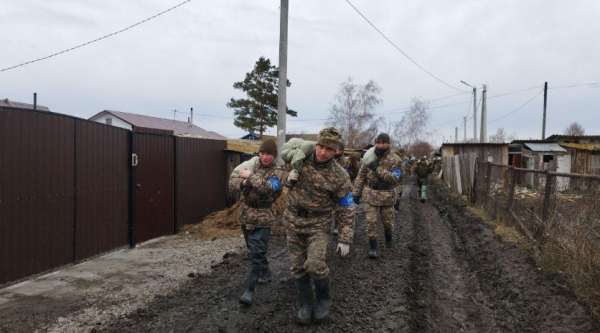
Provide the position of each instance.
(109, 121)
(548, 158)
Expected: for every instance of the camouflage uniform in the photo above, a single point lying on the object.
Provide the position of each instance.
(310, 204)
(379, 192)
(353, 166)
(420, 171)
(256, 215)
(404, 161)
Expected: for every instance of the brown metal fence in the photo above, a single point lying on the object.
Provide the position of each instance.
(201, 173)
(66, 188)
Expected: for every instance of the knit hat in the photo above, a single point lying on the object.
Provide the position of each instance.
(330, 137)
(383, 137)
(269, 146)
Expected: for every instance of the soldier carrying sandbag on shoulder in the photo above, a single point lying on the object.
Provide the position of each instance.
(261, 182)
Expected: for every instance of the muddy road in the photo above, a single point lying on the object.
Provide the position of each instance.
(447, 272)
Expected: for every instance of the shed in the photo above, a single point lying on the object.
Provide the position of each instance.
(585, 157)
(487, 152)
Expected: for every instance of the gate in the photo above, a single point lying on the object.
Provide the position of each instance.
(154, 184)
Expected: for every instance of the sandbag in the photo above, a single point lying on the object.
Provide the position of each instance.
(249, 164)
(296, 150)
(369, 157)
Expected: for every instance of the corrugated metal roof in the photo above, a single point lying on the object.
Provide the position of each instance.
(475, 144)
(584, 146)
(554, 147)
(178, 127)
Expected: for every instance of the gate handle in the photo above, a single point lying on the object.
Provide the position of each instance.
(134, 160)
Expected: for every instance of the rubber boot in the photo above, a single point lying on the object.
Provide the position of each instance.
(373, 250)
(397, 206)
(265, 277)
(247, 296)
(303, 317)
(388, 240)
(322, 290)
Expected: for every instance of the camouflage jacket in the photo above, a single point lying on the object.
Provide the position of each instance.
(351, 169)
(422, 170)
(320, 190)
(262, 189)
(379, 185)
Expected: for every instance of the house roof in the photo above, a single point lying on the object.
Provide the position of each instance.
(544, 147)
(583, 146)
(178, 127)
(533, 141)
(572, 137)
(12, 104)
(475, 144)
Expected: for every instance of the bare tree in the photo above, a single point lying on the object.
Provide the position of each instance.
(421, 148)
(574, 129)
(413, 125)
(352, 113)
(499, 137)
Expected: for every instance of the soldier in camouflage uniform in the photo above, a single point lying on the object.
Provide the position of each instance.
(260, 188)
(379, 181)
(320, 188)
(353, 166)
(420, 171)
(404, 159)
(343, 162)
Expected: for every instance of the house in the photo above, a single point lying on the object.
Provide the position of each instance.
(137, 122)
(587, 139)
(19, 105)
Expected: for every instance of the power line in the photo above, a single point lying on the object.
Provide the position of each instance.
(517, 109)
(95, 40)
(514, 92)
(397, 48)
(575, 85)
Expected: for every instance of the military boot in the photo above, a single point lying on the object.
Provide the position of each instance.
(304, 314)
(265, 276)
(373, 250)
(322, 290)
(247, 296)
(388, 240)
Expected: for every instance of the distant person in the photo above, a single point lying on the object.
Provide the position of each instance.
(320, 188)
(404, 159)
(421, 171)
(260, 184)
(377, 183)
(353, 166)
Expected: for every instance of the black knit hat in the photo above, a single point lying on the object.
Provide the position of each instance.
(383, 137)
(269, 146)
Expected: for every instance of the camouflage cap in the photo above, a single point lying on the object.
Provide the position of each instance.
(330, 137)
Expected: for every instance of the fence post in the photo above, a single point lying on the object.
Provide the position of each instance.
(547, 192)
(475, 174)
(511, 194)
(488, 175)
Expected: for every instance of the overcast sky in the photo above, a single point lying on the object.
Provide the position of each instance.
(192, 55)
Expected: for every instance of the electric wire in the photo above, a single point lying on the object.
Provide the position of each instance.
(97, 39)
(517, 109)
(397, 48)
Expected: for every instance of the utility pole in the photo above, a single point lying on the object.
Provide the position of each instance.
(465, 126)
(192, 116)
(483, 137)
(281, 94)
(544, 121)
(474, 111)
(455, 134)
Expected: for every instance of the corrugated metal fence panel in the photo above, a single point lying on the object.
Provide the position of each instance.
(36, 192)
(155, 174)
(102, 156)
(201, 167)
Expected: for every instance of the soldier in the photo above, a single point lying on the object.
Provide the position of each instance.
(421, 170)
(260, 187)
(353, 166)
(404, 159)
(320, 188)
(379, 180)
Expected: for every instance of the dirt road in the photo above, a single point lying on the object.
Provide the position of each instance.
(447, 272)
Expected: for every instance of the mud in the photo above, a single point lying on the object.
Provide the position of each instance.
(446, 272)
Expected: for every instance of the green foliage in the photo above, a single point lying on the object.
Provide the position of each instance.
(259, 110)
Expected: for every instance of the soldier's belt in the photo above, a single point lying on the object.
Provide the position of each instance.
(382, 186)
(262, 205)
(306, 214)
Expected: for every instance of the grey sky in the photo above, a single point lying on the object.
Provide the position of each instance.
(191, 56)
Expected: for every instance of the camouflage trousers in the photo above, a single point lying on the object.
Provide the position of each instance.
(308, 254)
(387, 218)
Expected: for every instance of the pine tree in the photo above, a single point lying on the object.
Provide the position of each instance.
(259, 110)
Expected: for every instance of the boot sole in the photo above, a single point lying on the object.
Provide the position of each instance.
(245, 302)
(322, 320)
